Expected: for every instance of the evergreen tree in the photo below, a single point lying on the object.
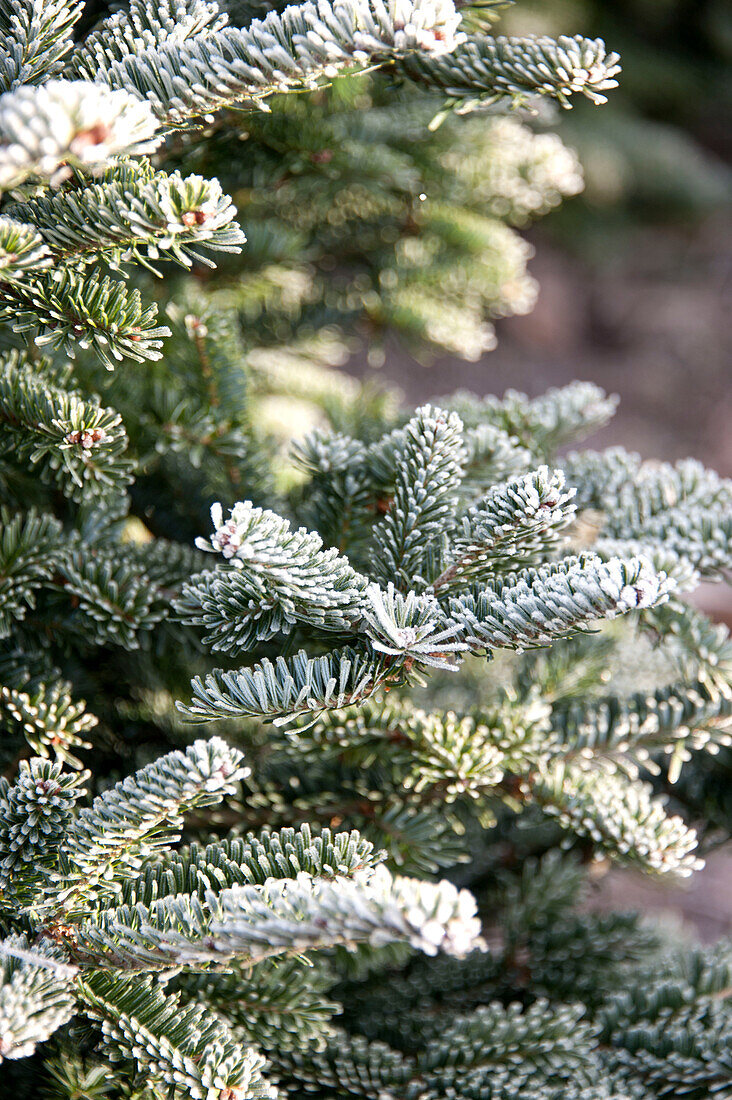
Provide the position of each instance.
(443, 669)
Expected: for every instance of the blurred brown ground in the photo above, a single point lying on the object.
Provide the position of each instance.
(655, 327)
(702, 903)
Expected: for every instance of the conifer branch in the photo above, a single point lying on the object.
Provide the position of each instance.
(411, 627)
(702, 650)
(279, 1004)
(286, 688)
(703, 536)
(48, 719)
(680, 509)
(634, 492)
(494, 456)
(424, 496)
(619, 816)
(254, 858)
(545, 423)
(110, 599)
(555, 601)
(31, 546)
(351, 1066)
(22, 249)
(287, 916)
(664, 558)
(509, 528)
(71, 121)
(475, 1047)
(131, 820)
(679, 716)
(280, 577)
(298, 48)
(647, 1029)
(72, 443)
(123, 32)
(36, 997)
(36, 815)
(184, 1047)
(467, 1059)
(485, 70)
(36, 35)
(76, 307)
(136, 215)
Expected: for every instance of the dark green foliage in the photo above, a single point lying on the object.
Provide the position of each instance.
(443, 649)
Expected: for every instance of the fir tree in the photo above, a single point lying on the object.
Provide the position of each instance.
(442, 669)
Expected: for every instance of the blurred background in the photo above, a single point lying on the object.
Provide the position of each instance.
(635, 273)
(635, 287)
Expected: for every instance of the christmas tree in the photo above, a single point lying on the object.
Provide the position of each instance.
(301, 799)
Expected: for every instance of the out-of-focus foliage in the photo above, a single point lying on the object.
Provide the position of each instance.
(661, 150)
